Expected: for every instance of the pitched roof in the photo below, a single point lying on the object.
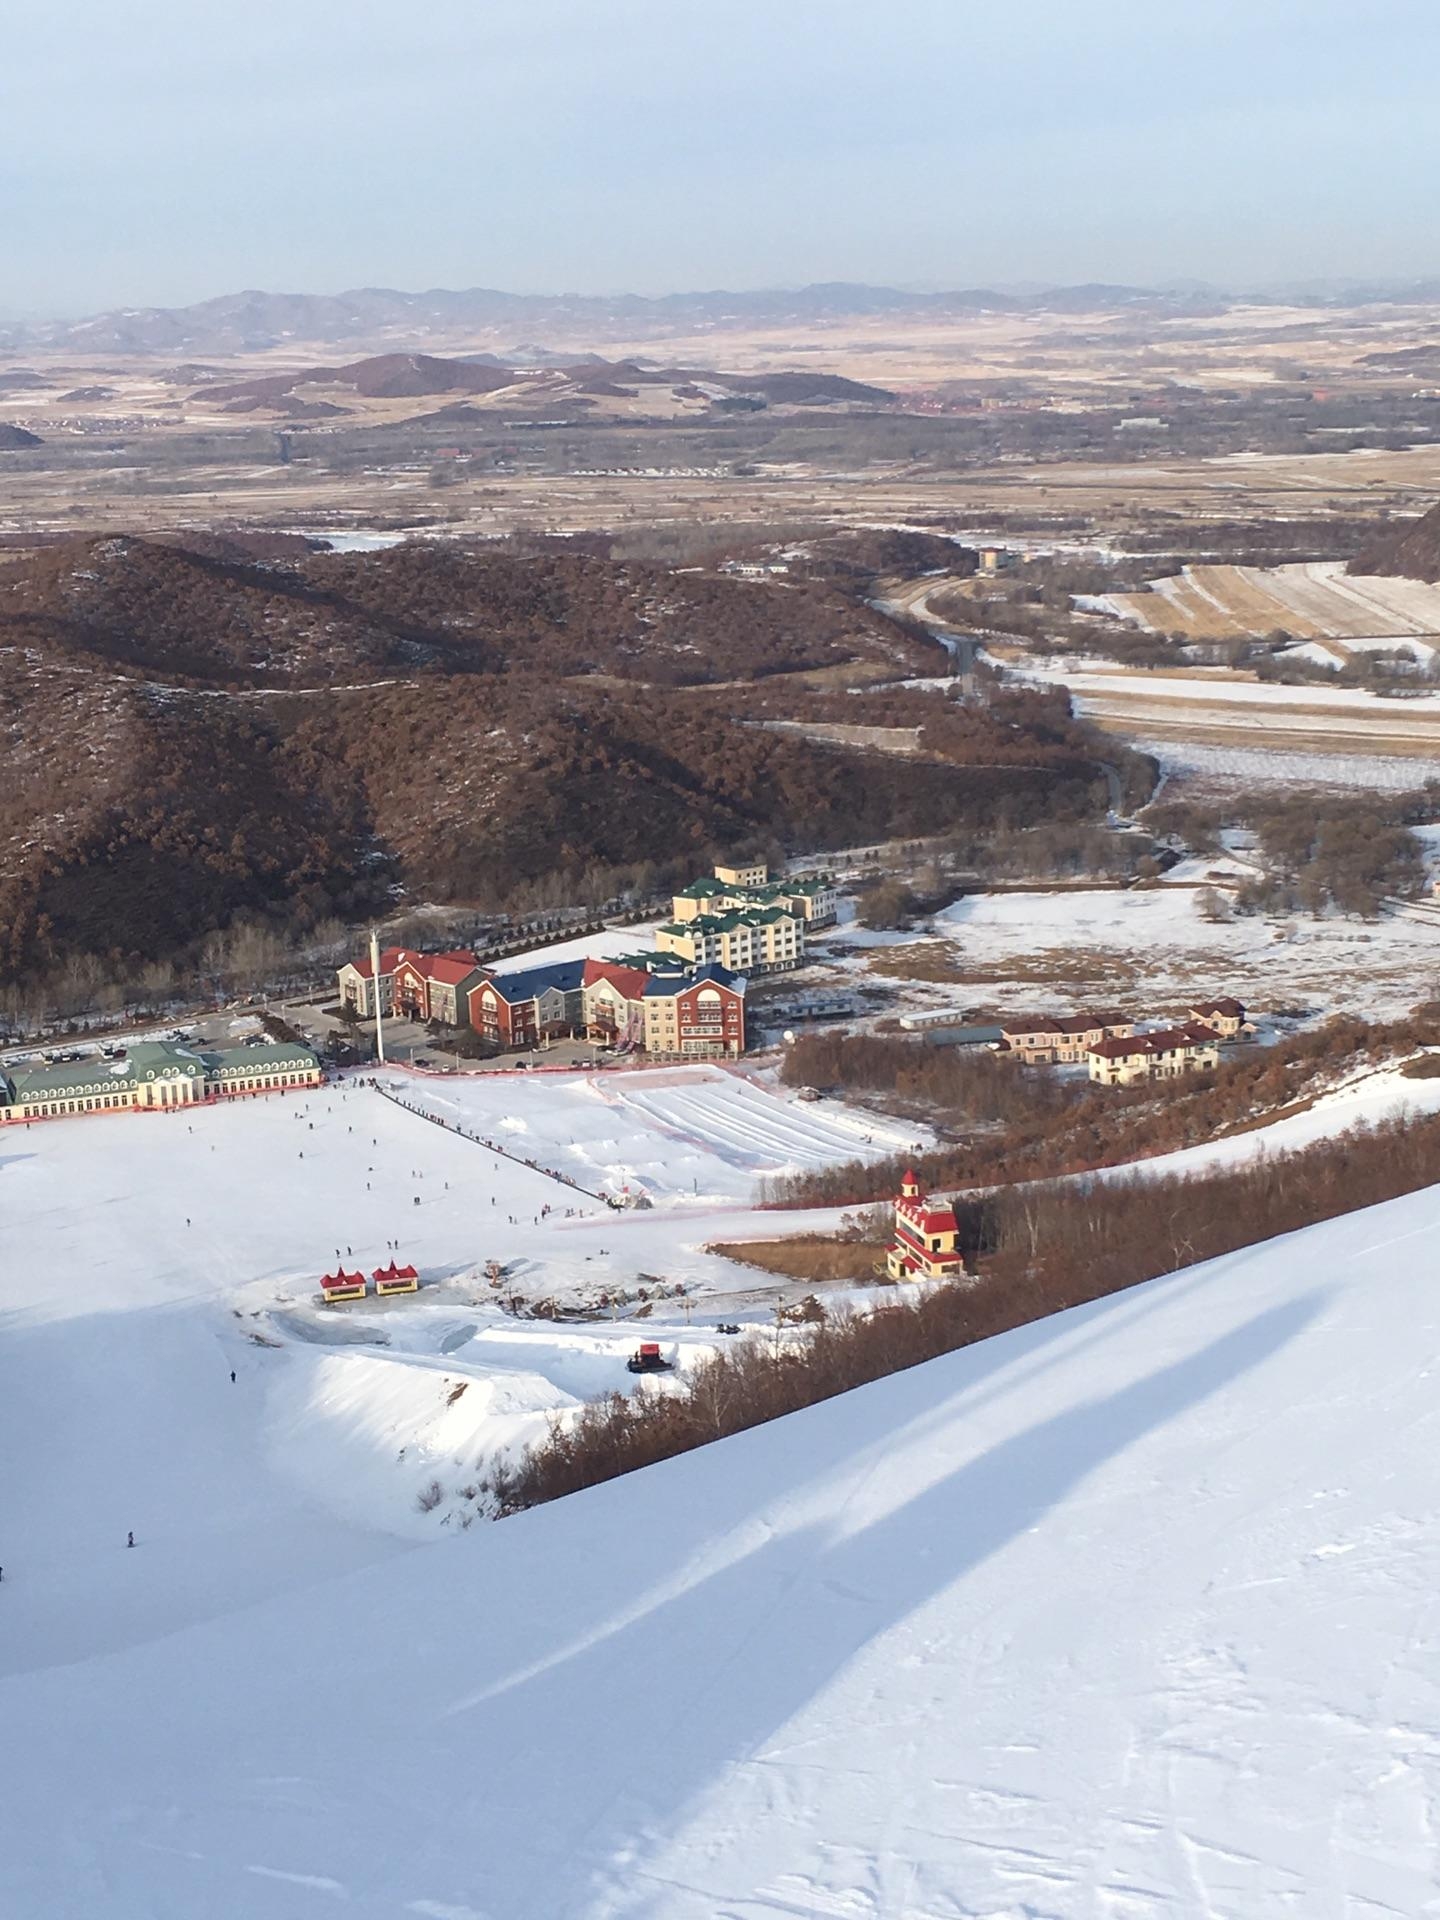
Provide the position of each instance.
(1231, 1009)
(1163, 1040)
(247, 1060)
(561, 976)
(1062, 1023)
(80, 1079)
(390, 958)
(660, 987)
(650, 962)
(451, 968)
(631, 982)
(925, 1216)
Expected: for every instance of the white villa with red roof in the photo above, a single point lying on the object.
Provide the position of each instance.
(926, 1245)
(356, 981)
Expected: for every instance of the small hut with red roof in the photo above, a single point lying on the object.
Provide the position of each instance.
(393, 1279)
(342, 1286)
(926, 1245)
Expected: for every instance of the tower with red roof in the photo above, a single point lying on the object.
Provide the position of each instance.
(926, 1243)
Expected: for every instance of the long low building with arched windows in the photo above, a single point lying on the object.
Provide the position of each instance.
(152, 1076)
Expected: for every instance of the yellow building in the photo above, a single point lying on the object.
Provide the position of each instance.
(755, 875)
(926, 1244)
(763, 941)
(1163, 1055)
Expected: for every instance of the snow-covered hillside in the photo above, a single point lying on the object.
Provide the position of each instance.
(1126, 1615)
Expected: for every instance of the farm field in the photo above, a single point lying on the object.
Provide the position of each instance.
(1225, 764)
(1218, 724)
(1313, 600)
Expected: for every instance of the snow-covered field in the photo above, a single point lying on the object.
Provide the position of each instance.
(1369, 1098)
(1152, 949)
(1130, 1614)
(1213, 771)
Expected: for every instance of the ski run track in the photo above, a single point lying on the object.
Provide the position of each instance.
(1128, 1615)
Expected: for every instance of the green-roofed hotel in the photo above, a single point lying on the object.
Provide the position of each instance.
(152, 1076)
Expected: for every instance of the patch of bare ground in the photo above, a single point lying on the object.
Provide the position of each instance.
(808, 1256)
(1053, 970)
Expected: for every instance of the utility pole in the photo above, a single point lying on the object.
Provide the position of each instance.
(375, 989)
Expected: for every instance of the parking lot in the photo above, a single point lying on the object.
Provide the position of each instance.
(410, 1043)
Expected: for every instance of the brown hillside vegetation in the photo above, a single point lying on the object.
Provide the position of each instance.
(1411, 550)
(1027, 1123)
(213, 615)
(191, 732)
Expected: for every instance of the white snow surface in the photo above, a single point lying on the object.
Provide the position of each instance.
(1127, 1615)
(146, 1255)
(1154, 949)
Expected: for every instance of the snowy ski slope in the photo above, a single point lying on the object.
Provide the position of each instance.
(1129, 1615)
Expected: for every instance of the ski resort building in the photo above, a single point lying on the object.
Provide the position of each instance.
(1042, 1040)
(759, 940)
(342, 1286)
(152, 1076)
(359, 985)
(699, 1018)
(625, 1006)
(926, 1243)
(434, 986)
(749, 889)
(1161, 1055)
(755, 875)
(1223, 1017)
(536, 1003)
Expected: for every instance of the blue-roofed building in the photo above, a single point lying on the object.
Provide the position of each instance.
(696, 1016)
(673, 1014)
(535, 1003)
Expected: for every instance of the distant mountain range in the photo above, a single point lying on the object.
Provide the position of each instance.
(372, 316)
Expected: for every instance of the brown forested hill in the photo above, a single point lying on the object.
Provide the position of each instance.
(191, 735)
(1411, 550)
(211, 615)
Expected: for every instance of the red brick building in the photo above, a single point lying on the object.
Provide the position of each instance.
(435, 986)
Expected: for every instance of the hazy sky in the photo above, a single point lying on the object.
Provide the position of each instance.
(159, 151)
